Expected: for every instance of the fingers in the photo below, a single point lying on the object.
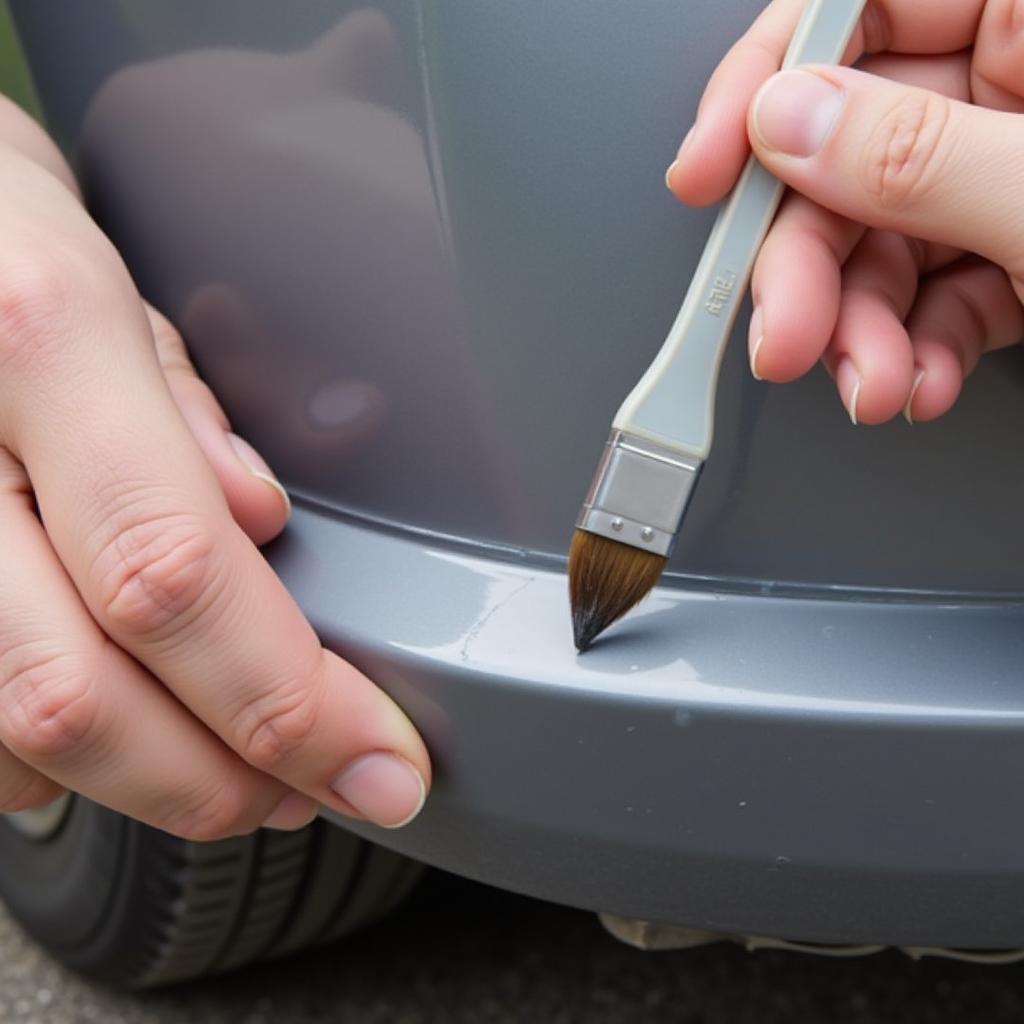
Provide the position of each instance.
(713, 153)
(884, 360)
(997, 60)
(258, 503)
(796, 288)
(897, 158)
(711, 157)
(21, 787)
(798, 282)
(870, 353)
(960, 313)
(140, 523)
(81, 712)
(898, 341)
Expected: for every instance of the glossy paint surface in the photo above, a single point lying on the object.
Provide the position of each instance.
(824, 770)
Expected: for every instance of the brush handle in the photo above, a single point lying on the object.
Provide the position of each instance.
(673, 404)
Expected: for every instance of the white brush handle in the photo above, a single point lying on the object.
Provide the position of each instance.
(673, 404)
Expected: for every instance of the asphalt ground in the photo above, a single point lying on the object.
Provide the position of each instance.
(458, 953)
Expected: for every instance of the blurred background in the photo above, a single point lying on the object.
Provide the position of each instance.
(14, 78)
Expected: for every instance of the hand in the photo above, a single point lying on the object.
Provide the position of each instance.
(149, 657)
(899, 257)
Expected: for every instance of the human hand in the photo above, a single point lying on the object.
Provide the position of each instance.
(149, 657)
(899, 258)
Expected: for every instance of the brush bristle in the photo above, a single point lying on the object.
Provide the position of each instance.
(606, 579)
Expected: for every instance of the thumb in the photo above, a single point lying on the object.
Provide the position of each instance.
(896, 157)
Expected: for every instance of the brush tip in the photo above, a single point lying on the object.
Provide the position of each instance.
(606, 579)
(584, 632)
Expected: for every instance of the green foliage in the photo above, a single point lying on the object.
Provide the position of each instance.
(15, 80)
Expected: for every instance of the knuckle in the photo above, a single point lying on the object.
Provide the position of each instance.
(47, 291)
(50, 706)
(271, 728)
(35, 294)
(903, 156)
(211, 815)
(156, 572)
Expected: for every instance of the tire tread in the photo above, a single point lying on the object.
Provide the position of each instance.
(261, 897)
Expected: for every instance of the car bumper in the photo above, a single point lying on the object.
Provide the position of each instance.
(822, 769)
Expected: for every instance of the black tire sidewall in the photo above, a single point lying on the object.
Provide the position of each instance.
(74, 892)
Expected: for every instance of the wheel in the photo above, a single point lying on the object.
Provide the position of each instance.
(135, 907)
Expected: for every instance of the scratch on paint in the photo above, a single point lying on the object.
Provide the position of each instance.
(477, 628)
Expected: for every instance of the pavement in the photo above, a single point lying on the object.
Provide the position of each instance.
(459, 953)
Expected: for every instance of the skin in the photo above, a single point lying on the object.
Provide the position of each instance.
(149, 657)
(898, 257)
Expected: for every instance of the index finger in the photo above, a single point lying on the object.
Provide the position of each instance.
(713, 153)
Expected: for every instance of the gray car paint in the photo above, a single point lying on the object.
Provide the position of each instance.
(421, 251)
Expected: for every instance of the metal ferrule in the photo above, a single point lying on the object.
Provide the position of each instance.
(640, 493)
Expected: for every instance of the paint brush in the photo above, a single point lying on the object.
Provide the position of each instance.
(661, 435)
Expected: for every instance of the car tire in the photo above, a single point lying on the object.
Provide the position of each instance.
(136, 907)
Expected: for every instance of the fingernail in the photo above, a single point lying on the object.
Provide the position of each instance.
(794, 111)
(848, 381)
(668, 174)
(384, 787)
(295, 811)
(253, 462)
(907, 414)
(753, 358)
(680, 153)
(756, 333)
